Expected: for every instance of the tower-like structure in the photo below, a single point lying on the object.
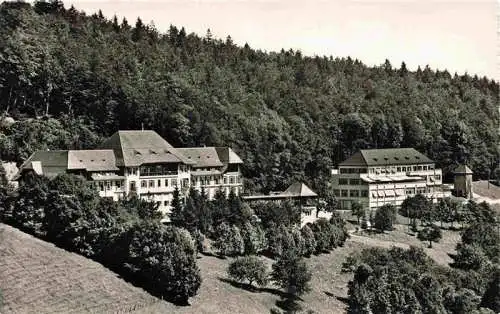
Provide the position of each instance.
(463, 181)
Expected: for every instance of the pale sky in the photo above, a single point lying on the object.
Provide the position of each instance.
(458, 35)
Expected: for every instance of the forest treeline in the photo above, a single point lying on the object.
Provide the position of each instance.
(70, 79)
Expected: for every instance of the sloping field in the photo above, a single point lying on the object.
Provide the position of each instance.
(38, 277)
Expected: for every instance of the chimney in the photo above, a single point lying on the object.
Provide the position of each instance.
(142, 126)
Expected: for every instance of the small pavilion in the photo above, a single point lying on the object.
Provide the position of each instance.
(298, 192)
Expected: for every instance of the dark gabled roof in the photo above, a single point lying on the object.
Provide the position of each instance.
(387, 156)
(134, 148)
(48, 163)
(299, 189)
(228, 156)
(462, 169)
(294, 191)
(92, 160)
(203, 156)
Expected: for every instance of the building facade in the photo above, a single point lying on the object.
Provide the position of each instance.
(142, 163)
(376, 177)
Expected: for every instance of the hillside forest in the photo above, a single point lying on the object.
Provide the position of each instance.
(68, 80)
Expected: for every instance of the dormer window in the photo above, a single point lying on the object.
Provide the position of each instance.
(375, 159)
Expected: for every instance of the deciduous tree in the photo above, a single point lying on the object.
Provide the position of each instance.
(249, 268)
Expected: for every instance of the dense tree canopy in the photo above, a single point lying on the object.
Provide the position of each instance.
(289, 116)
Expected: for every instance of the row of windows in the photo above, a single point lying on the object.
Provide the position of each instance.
(158, 183)
(217, 180)
(165, 203)
(107, 185)
(133, 171)
(351, 193)
(381, 193)
(344, 181)
(393, 169)
(353, 170)
(157, 170)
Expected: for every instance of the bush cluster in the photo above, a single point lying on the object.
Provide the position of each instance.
(125, 236)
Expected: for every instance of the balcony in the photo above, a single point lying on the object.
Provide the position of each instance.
(158, 170)
(158, 173)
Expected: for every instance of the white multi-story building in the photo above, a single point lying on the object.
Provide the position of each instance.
(375, 177)
(144, 164)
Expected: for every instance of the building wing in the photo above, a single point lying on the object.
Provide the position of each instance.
(204, 157)
(387, 156)
(92, 160)
(47, 163)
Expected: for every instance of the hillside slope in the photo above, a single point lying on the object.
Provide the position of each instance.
(37, 277)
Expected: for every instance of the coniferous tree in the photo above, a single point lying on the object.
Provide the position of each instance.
(385, 217)
(177, 214)
(291, 273)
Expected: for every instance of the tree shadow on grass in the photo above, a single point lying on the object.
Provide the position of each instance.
(251, 288)
(341, 299)
(222, 257)
(290, 304)
(152, 290)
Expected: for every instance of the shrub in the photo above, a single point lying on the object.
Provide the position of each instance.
(431, 234)
(199, 239)
(279, 239)
(485, 236)
(291, 273)
(321, 235)
(249, 268)
(163, 259)
(254, 238)
(461, 301)
(77, 227)
(416, 207)
(229, 241)
(298, 240)
(469, 257)
(29, 206)
(328, 235)
(309, 241)
(358, 210)
(364, 223)
(385, 217)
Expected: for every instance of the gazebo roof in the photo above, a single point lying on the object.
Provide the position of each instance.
(299, 189)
